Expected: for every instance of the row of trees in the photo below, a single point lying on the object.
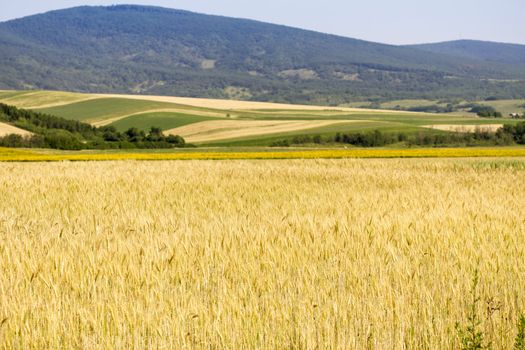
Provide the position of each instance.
(517, 132)
(507, 135)
(486, 112)
(34, 121)
(452, 106)
(135, 135)
(59, 133)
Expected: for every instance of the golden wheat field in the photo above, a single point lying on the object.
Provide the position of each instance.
(260, 254)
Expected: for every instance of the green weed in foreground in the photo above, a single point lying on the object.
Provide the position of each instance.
(520, 338)
(472, 335)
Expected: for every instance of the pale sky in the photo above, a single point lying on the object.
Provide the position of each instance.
(386, 21)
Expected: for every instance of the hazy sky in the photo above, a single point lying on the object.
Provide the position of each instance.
(387, 21)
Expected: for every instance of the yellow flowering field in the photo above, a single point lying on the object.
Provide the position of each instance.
(25, 155)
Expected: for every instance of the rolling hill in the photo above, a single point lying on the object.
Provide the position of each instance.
(229, 122)
(479, 50)
(157, 51)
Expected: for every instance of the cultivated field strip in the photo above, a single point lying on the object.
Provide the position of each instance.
(17, 155)
(466, 128)
(215, 130)
(44, 99)
(341, 254)
(230, 104)
(168, 113)
(7, 129)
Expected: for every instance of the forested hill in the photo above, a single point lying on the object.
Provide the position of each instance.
(479, 50)
(151, 50)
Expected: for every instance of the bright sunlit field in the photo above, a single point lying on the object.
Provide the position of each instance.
(260, 254)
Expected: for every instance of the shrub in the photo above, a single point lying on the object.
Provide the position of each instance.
(176, 140)
(486, 111)
(280, 143)
(519, 343)
(61, 139)
(471, 336)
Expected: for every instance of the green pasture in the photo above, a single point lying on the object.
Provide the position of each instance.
(163, 120)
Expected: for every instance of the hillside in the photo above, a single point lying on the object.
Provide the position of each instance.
(479, 50)
(156, 51)
(228, 122)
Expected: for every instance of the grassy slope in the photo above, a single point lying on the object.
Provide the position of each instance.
(507, 106)
(105, 108)
(41, 99)
(163, 120)
(7, 94)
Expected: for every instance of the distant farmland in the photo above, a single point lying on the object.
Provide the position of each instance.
(224, 122)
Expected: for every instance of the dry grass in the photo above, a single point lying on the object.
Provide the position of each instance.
(466, 128)
(6, 129)
(348, 254)
(230, 129)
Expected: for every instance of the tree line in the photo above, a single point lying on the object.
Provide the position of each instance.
(507, 135)
(55, 132)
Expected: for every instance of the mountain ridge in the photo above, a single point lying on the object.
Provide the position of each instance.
(148, 49)
(478, 49)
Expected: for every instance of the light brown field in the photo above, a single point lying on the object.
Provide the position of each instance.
(45, 99)
(466, 128)
(235, 105)
(229, 129)
(6, 129)
(302, 254)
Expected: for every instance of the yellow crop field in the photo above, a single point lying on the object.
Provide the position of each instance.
(14, 155)
(260, 254)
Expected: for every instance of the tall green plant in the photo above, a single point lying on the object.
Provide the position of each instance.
(471, 336)
(519, 343)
